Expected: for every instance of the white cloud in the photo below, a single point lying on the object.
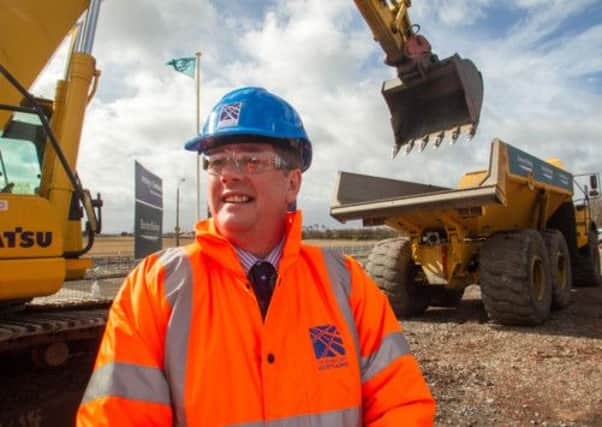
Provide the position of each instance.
(450, 12)
(314, 54)
(543, 19)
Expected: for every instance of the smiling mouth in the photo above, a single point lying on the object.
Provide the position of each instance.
(237, 199)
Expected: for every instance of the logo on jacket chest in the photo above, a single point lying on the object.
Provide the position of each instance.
(328, 347)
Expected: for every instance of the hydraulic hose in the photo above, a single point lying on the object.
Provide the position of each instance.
(73, 178)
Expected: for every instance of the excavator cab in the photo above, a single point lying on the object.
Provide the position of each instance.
(22, 144)
(444, 100)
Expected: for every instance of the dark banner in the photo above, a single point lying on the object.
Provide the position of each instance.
(523, 164)
(148, 214)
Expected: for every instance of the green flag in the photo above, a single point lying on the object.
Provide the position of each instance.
(184, 65)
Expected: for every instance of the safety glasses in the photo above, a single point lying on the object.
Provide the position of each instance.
(245, 162)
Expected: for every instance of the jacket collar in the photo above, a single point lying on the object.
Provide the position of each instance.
(214, 245)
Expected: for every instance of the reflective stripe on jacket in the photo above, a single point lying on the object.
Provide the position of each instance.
(185, 345)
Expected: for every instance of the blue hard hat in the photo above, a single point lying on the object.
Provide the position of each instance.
(253, 111)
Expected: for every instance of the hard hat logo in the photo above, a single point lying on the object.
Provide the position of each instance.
(254, 112)
(229, 115)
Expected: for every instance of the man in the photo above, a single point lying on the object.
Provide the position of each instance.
(247, 326)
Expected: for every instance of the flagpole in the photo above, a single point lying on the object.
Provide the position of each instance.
(198, 131)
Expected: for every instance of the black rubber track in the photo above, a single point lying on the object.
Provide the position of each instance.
(560, 267)
(506, 278)
(586, 271)
(390, 265)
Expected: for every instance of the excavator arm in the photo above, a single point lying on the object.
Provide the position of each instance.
(390, 25)
(431, 98)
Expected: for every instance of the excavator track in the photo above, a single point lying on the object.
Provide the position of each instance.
(28, 329)
(46, 357)
(49, 326)
(48, 346)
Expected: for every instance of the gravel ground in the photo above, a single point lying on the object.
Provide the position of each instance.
(485, 374)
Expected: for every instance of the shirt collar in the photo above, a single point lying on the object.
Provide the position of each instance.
(247, 259)
(215, 246)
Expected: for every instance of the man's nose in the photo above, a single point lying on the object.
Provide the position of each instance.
(230, 170)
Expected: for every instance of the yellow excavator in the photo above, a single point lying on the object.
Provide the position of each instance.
(41, 198)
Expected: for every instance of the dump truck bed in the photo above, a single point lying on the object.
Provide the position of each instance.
(371, 198)
(518, 190)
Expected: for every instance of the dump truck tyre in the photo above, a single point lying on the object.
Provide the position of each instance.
(564, 221)
(390, 265)
(586, 271)
(515, 278)
(560, 267)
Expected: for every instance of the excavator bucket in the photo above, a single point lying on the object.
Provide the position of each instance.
(445, 101)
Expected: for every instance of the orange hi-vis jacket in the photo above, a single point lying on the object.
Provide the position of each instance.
(185, 345)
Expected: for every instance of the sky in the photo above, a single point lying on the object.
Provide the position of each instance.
(540, 61)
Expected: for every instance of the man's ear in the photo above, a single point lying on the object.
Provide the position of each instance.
(294, 185)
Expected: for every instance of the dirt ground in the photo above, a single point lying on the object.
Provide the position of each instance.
(124, 245)
(484, 374)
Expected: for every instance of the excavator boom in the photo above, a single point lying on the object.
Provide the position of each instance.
(431, 98)
(41, 26)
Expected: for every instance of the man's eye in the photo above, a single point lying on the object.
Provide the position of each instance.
(216, 163)
(250, 160)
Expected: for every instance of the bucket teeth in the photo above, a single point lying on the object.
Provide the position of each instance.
(423, 143)
(439, 139)
(396, 149)
(455, 135)
(472, 131)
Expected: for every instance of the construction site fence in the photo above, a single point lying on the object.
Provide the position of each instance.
(103, 280)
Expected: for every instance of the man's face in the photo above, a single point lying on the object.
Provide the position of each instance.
(248, 206)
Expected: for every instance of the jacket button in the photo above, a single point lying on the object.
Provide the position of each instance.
(271, 358)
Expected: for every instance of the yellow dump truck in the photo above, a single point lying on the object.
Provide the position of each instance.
(514, 229)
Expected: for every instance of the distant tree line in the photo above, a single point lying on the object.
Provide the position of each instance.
(316, 232)
(364, 233)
